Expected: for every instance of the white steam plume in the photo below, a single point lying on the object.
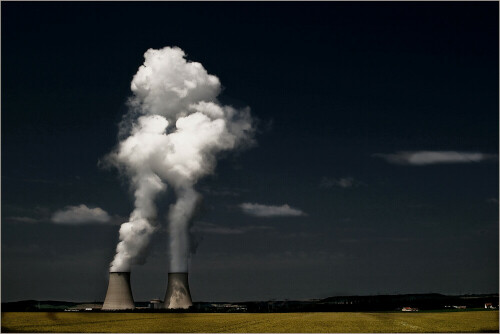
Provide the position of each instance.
(175, 128)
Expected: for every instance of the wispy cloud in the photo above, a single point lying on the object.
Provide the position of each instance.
(27, 214)
(23, 219)
(298, 235)
(210, 228)
(80, 214)
(343, 182)
(221, 192)
(261, 210)
(492, 200)
(421, 158)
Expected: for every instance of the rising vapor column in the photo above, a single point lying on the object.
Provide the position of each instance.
(172, 134)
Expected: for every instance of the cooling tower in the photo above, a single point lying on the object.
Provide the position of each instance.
(178, 295)
(119, 295)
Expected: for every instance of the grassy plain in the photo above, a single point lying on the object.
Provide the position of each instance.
(332, 322)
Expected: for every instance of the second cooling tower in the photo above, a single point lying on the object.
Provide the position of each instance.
(119, 295)
(178, 295)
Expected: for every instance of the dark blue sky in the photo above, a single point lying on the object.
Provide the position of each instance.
(333, 84)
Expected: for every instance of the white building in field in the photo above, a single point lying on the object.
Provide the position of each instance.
(409, 309)
(489, 305)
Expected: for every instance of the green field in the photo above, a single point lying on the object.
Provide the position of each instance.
(333, 322)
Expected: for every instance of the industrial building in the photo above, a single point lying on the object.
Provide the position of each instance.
(119, 294)
(178, 295)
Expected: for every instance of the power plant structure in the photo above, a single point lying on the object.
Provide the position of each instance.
(177, 295)
(119, 294)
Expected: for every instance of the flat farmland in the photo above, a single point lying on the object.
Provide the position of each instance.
(331, 322)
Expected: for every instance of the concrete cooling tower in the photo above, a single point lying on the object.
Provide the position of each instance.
(178, 295)
(119, 295)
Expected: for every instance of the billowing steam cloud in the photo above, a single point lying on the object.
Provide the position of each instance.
(172, 133)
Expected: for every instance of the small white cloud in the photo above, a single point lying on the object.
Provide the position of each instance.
(80, 214)
(421, 158)
(343, 182)
(261, 210)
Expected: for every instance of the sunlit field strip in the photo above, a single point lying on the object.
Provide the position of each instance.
(469, 321)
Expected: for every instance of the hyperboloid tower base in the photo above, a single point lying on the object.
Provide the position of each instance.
(178, 295)
(119, 295)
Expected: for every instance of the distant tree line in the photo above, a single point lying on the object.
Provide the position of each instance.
(422, 302)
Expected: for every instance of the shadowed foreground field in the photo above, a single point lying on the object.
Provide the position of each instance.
(469, 321)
